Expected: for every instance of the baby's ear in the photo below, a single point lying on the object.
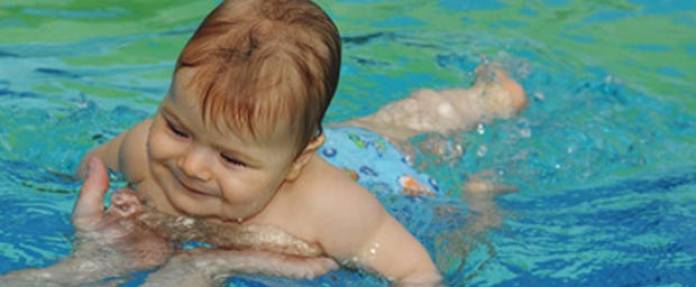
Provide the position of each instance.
(304, 157)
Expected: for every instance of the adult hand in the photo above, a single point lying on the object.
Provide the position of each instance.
(114, 232)
(108, 243)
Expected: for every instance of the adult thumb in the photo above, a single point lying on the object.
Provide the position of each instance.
(89, 208)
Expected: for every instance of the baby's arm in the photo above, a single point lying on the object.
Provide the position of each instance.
(357, 230)
(211, 267)
(393, 252)
(126, 147)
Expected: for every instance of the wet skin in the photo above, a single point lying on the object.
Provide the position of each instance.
(114, 242)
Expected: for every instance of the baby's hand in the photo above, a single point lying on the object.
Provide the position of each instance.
(125, 204)
(114, 233)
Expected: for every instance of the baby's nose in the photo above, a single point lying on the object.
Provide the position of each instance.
(195, 164)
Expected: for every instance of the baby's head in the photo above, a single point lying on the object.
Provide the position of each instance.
(260, 63)
(243, 115)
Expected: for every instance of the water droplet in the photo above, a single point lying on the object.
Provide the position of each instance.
(526, 132)
(481, 151)
(608, 79)
(480, 129)
(538, 95)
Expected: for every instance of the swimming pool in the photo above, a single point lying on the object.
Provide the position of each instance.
(604, 156)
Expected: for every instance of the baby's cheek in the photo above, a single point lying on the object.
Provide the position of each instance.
(160, 147)
(244, 192)
(236, 193)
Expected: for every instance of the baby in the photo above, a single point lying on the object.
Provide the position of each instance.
(234, 145)
(234, 140)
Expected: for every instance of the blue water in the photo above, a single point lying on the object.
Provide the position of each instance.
(604, 156)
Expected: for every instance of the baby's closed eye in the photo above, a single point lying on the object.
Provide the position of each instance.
(176, 130)
(232, 160)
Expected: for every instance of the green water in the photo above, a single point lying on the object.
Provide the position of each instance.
(654, 52)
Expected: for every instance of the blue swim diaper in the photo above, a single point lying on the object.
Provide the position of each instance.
(379, 165)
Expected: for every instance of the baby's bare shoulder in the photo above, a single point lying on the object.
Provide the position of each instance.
(330, 185)
(340, 213)
(337, 200)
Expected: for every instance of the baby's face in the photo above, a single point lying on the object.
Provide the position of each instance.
(209, 173)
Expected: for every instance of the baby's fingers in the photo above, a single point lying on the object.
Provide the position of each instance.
(125, 203)
(319, 266)
(89, 209)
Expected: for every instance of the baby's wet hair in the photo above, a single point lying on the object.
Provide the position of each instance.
(259, 62)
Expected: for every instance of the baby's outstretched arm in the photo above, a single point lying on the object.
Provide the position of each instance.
(211, 267)
(123, 153)
(108, 242)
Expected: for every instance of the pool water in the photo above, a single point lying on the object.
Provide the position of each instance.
(604, 157)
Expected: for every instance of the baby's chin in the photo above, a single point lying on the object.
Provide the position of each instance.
(239, 217)
(223, 216)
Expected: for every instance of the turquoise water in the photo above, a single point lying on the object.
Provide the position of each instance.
(603, 156)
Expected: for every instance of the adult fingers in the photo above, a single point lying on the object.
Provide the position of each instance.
(89, 208)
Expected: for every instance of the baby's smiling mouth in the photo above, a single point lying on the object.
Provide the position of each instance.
(190, 189)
